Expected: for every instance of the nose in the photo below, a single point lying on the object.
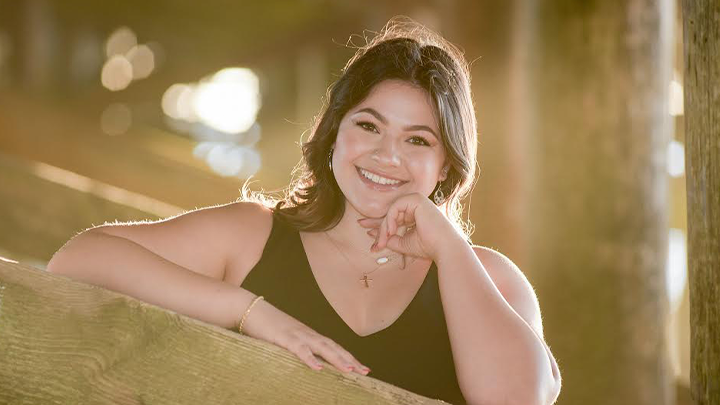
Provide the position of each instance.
(387, 153)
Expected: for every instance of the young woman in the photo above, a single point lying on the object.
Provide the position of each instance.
(367, 256)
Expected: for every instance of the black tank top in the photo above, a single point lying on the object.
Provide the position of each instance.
(413, 353)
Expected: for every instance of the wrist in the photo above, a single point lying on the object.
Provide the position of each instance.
(242, 322)
(448, 248)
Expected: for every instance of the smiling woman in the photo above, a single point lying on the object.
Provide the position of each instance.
(399, 122)
(390, 157)
(406, 82)
(366, 259)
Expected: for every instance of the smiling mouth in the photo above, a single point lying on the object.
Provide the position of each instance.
(372, 180)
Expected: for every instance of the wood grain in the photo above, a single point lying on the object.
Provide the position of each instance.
(701, 41)
(66, 342)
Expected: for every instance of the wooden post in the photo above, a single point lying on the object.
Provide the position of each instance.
(701, 34)
(594, 109)
(66, 342)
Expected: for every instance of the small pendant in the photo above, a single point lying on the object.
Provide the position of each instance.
(365, 280)
(382, 260)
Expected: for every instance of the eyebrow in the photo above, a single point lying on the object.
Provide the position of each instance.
(408, 128)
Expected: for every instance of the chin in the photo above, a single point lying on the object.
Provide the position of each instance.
(369, 210)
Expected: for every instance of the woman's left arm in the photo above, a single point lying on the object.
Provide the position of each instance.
(491, 310)
(495, 328)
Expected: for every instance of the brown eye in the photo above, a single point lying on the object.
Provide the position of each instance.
(368, 126)
(422, 140)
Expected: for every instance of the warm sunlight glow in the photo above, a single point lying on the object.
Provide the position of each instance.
(103, 190)
(229, 100)
(676, 98)
(675, 159)
(676, 269)
(5, 259)
(220, 112)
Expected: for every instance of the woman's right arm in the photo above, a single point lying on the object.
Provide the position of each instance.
(179, 264)
(121, 265)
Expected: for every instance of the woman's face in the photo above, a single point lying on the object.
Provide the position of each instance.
(392, 134)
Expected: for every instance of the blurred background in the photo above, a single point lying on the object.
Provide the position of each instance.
(130, 110)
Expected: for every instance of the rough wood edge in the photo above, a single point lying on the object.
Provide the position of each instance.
(62, 341)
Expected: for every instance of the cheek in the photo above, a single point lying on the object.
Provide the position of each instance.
(424, 170)
(351, 144)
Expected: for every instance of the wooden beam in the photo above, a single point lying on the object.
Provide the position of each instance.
(702, 144)
(43, 206)
(66, 342)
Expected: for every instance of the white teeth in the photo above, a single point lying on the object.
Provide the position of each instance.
(377, 179)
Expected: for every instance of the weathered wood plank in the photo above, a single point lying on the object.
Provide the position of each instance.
(66, 342)
(701, 39)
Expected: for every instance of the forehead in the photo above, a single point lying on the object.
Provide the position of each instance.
(401, 102)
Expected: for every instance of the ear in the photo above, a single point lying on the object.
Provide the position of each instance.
(444, 172)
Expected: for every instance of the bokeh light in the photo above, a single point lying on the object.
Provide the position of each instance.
(177, 102)
(127, 60)
(116, 119)
(120, 42)
(229, 100)
(676, 269)
(220, 111)
(229, 160)
(675, 159)
(142, 59)
(117, 73)
(676, 98)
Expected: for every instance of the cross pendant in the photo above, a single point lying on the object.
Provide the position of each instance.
(365, 279)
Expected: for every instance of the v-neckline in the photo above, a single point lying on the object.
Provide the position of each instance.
(327, 302)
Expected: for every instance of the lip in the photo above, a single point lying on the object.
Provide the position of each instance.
(376, 186)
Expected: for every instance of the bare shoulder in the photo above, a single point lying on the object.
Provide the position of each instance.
(253, 224)
(203, 240)
(512, 284)
(500, 267)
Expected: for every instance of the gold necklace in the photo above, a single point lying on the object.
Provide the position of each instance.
(382, 259)
(364, 278)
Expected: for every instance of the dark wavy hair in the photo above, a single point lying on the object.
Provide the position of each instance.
(403, 50)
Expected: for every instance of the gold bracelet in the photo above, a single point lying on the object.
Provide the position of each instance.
(242, 321)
